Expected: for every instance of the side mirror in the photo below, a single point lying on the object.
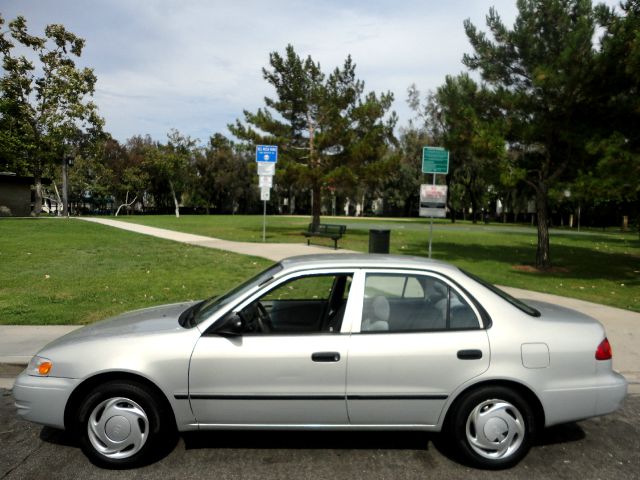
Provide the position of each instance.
(232, 325)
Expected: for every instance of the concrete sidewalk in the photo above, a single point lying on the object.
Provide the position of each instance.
(271, 251)
(19, 343)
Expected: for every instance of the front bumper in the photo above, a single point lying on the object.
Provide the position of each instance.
(43, 399)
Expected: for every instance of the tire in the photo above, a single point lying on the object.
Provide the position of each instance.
(122, 424)
(492, 427)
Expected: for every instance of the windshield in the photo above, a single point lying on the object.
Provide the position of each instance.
(213, 304)
(504, 295)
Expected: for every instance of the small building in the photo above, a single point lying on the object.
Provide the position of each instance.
(15, 195)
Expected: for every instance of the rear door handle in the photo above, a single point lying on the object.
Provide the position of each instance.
(469, 354)
(325, 357)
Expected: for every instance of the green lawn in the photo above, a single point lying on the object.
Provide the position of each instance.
(602, 267)
(57, 271)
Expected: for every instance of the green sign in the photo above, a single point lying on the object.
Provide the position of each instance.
(435, 160)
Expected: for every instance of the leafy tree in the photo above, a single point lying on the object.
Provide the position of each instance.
(90, 178)
(538, 71)
(615, 113)
(402, 186)
(223, 178)
(320, 122)
(471, 129)
(44, 97)
(367, 145)
(461, 116)
(170, 166)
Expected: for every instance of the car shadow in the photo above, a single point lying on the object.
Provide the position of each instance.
(325, 440)
(565, 433)
(57, 437)
(353, 440)
(299, 440)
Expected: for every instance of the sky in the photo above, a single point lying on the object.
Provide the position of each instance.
(195, 65)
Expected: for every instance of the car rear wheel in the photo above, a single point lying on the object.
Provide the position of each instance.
(493, 427)
(123, 425)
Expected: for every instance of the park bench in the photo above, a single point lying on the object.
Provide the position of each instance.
(334, 232)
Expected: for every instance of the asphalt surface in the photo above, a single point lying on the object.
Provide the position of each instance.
(600, 448)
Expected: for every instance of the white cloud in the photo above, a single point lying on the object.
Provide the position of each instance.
(196, 64)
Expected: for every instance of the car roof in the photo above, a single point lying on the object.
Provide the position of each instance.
(363, 260)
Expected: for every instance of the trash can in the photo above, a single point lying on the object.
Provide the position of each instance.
(379, 241)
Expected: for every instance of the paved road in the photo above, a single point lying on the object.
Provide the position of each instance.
(601, 448)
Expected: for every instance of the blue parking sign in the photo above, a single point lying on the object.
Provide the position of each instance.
(267, 153)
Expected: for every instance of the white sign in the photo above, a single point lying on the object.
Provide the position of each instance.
(265, 181)
(265, 194)
(433, 201)
(266, 168)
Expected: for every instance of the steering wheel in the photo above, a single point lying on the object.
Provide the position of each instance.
(263, 318)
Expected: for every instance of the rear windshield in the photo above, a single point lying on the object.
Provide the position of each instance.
(504, 295)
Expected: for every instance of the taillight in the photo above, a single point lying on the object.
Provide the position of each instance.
(603, 352)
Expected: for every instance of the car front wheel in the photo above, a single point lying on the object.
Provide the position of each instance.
(122, 425)
(493, 427)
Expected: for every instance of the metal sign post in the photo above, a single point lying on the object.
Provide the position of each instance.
(433, 198)
(266, 158)
(431, 222)
(265, 195)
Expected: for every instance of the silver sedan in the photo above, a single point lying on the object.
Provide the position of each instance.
(369, 342)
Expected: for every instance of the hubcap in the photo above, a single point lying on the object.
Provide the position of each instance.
(118, 428)
(495, 429)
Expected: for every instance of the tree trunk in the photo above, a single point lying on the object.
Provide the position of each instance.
(474, 203)
(474, 208)
(37, 200)
(451, 209)
(65, 189)
(543, 258)
(316, 204)
(175, 199)
(314, 163)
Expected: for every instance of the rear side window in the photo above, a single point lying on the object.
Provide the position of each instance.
(407, 303)
(393, 286)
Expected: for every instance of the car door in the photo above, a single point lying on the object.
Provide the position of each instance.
(293, 374)
(419, 338)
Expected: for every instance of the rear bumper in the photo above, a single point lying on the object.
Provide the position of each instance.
(611, 396)
(577, 403)
(43, 399)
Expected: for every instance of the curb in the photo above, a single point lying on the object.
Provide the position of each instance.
(22, 360)
(11, 369)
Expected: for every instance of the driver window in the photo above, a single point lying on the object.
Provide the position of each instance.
(310, 304)
(302, 289)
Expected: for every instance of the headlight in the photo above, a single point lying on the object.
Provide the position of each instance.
(39, 366)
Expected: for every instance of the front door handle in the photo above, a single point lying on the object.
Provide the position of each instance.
(469, 354)
(325, 357)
